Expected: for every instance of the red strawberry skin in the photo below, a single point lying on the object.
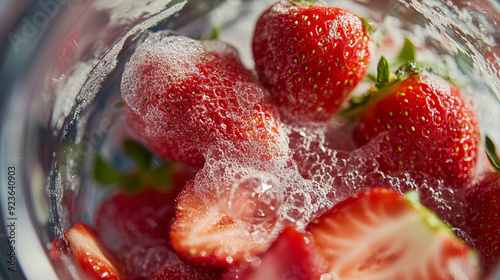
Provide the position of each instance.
(136, 228)
(182, 271)
(310, 57)
(483, 219)
(424, 126)
(182, 96)
(124, 219)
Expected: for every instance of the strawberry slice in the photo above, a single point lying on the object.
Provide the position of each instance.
(380, 234)
(89, 252)
(291, 256)
(203, 234)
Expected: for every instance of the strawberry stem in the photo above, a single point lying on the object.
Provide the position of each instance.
(306, 2)
(370, 26)
(357, 105)
(492, 154)
(408, 69)
(215, 33)
(146, 174)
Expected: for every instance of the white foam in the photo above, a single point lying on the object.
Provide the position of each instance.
(180, 54)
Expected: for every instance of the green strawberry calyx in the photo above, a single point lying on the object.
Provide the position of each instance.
(145, 175)
(491, 153)
(358, 104)
(406, 66)
(370, 26)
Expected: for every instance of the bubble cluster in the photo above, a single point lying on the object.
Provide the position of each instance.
(341, 173)
(255, 198)
(184, 97)
(314, 166)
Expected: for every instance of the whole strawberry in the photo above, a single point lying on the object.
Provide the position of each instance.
(185, 96)
(483, 216)
(424, 127)
(310, 56)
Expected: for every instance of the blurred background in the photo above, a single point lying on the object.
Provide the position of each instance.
(10, 12)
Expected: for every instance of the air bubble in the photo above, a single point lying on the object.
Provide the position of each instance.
(255, 198)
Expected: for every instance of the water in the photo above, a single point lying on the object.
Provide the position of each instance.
(319, 166)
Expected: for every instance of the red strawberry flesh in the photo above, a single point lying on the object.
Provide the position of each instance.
(92, 256)
(136, 228)
(124, 219)
(204, 235)
(379, 234)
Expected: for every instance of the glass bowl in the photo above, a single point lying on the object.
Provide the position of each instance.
(61, 63)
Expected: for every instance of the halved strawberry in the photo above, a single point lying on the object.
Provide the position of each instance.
(204, 234)
(291, 256)
(89, 252)
(380, 234)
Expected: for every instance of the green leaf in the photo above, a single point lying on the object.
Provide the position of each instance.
(132, 183)
(383, 73)
(407, 53)
(438, 70)
(161, 177)
(104, 173)
(139, 154)
(215, 33)
(492, 153)
(357, 105)
(370, 26)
